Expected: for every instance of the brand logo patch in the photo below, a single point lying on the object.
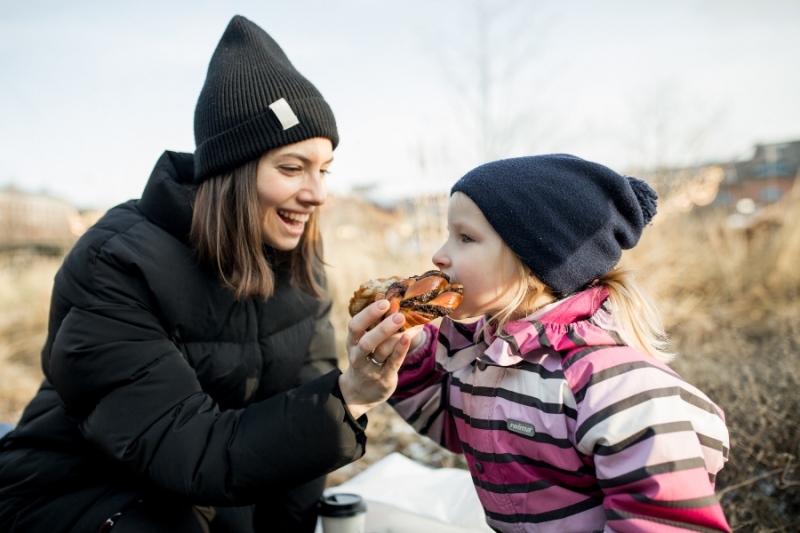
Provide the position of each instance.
(522, 428)
(283, 111)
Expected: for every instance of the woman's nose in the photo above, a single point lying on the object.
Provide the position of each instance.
(314, 191)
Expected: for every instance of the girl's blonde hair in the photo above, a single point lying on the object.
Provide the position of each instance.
(633, 311)
(226, 235)
(636, 315)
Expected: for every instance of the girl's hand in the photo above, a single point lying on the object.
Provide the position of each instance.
(418, 339)
(375, 357)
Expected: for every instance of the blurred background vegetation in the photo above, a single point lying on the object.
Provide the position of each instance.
(728, 293)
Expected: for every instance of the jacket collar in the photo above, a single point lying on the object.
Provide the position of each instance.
(580, 320)
(169, 193)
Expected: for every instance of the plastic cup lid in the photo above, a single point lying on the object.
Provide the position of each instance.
(341, 505)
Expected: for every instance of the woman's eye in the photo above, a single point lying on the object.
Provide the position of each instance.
(290, 169)
(466, 238)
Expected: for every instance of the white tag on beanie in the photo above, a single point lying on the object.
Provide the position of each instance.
(284, 113)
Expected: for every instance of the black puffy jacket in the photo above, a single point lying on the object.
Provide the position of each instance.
(158, 382)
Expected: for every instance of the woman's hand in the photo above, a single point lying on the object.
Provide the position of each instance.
(375, 357)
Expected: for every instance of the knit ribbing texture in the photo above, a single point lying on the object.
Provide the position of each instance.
(233, 123)
(566, 218)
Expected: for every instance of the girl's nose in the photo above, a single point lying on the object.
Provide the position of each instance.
(440, 259)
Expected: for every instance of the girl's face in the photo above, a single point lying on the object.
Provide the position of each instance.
(475, 256)
(291, 185)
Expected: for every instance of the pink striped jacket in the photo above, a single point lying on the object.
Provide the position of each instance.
(565, 428)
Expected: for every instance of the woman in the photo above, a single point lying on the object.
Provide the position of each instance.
(190, 369)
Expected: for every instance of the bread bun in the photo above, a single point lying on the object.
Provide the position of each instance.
(420, 298)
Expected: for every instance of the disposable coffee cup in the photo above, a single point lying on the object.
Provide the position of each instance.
(342, 513)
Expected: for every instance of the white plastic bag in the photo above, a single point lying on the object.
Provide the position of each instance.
(405, 496)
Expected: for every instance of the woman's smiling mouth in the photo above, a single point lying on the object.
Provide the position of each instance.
(293, 221)
(293, 218)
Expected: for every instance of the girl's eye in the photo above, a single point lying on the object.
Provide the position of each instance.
(325, 172)
(465, 238)
(290, 169)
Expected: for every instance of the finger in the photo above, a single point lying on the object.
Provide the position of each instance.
(398, 355)
(364, 319)
(403, 346)
(380, 333)
(372, 359)
(384, 350)
(414, 331)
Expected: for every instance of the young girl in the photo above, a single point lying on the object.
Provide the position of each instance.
(559, 396)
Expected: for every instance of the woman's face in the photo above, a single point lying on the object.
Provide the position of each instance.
(291, 185)
(475, 256)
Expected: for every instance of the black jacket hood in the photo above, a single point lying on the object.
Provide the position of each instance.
(168, 197)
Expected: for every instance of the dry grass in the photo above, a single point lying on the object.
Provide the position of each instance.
(729, 298)
(25, 284)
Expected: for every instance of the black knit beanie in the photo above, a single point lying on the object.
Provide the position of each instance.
(253, 100)
(566, 218)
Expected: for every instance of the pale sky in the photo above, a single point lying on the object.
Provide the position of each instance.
(93, 91)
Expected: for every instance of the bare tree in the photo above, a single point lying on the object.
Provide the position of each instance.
(489, 60)
(670, 130)
(669, 141)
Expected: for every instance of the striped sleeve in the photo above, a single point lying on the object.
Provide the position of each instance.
(421, 394)
(657, 442)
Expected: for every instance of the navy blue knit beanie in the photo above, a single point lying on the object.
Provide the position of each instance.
(566, 218)
(253, 100)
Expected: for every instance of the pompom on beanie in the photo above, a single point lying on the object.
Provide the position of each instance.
(566, 218)
(253, 100)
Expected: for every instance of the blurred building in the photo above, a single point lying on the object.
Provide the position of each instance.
(37, 223)
(763, 179)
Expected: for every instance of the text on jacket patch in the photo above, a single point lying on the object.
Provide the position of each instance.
(520, 427)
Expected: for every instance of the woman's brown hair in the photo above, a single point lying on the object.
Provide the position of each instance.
(226, 235)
